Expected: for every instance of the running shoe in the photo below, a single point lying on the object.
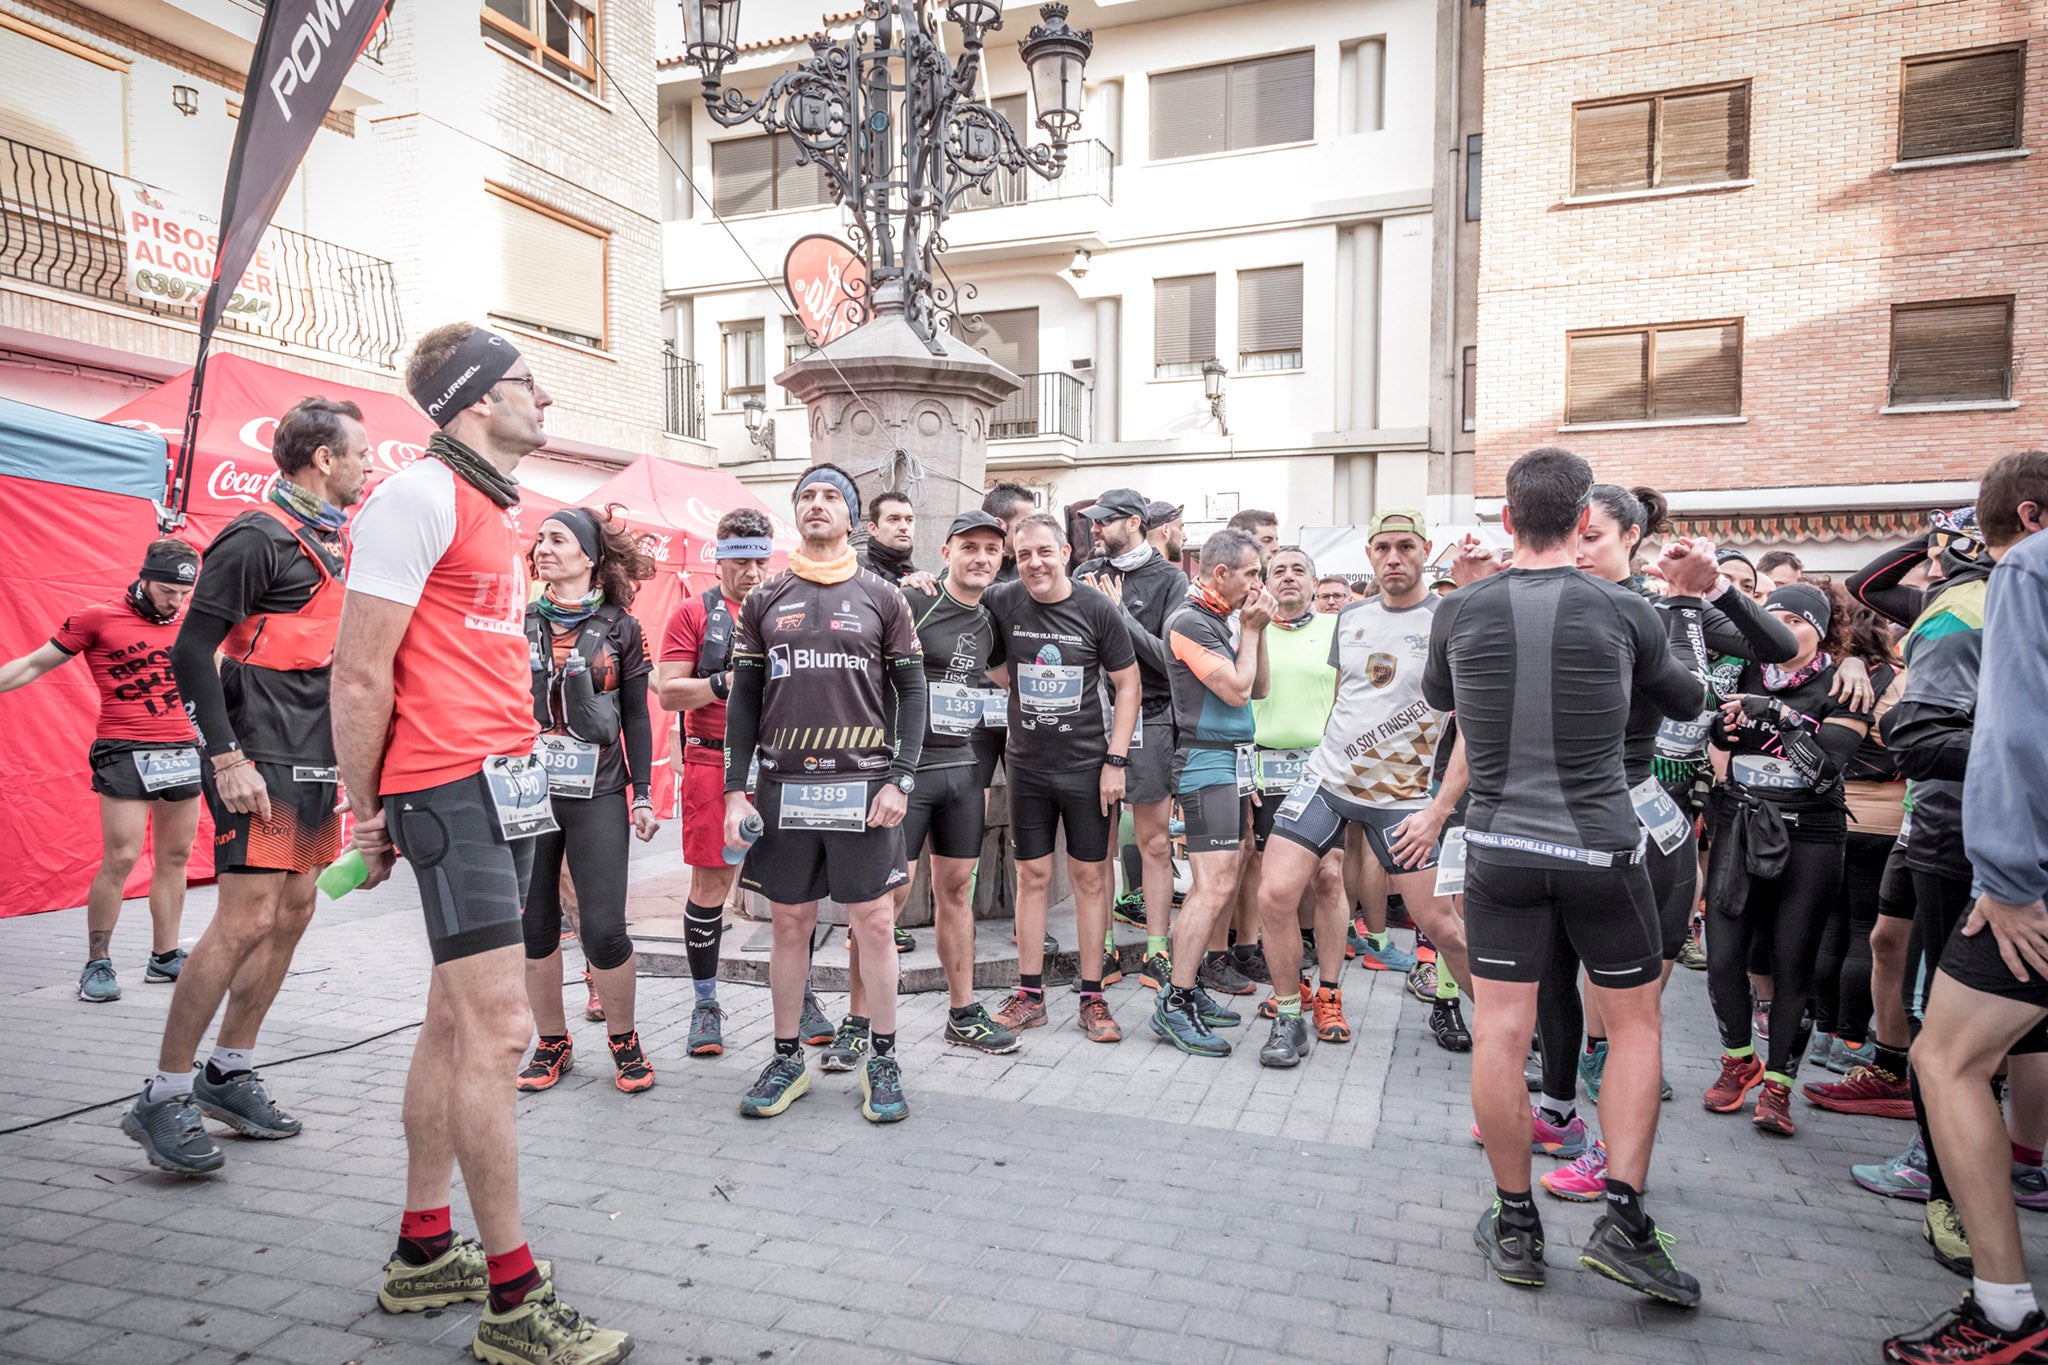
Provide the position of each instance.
(707, 1029)
(812, 1027)
(1691, 955)
(1397, 913)
(1328, 1009)
(1760, 1021)
(1184, 1028)
(545, 1331)
(1866, 1091)
(906, 942)
(1584, 1180)
(97, 984)
(159, 969)
(1847, 1057)
(981, 1033)
(1532, 1071)
(2030, 1187)
(1155, 973)
(1593, 1069)
(593, 1008)
(1251, 963)
(1944, 1232)
(1269, 1008)
(1774, 1109)
(1966, 1335)
(1644, 1266)
(1447, 1022)
(1903, 1177)
(1097, 1022)
(1392, 958)
(849, 1045)
(1422, 982)
(171, 1135)
(1820, 1047)
(1129, 908)
(1565, 1141)
(1739, 1076)
(1287, 1044)
(1515, 1254)
(881, 1091)
(782, 1083)
(1214, 1014)
(241, 1102)
(1354, 937)
(1112, 969)
(549, 1063)
(635, 1072)
(1218, 973)
(461, 1274)
(1021, 1012)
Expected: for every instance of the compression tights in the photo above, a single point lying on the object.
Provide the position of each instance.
(1789, 914)
(1841, 979)
(593, 836)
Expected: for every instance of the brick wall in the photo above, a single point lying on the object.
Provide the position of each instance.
(1811, 257)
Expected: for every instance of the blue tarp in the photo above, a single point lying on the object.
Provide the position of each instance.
(55, 447)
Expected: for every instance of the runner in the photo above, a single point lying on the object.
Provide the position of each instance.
(892, 529)
(590, 668)
(828, 685)
(1263, 528)
(267, 603)
(1164, 530)
(1333, 594)
(1540, 663)
(1218, 641)
(1008, 503)
(434, 723)
(144, 762)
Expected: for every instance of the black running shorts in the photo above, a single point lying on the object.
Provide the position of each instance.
(472, 882)
(947, 807)
(114, 772)
(1149, 778)
(1516, 917)
(303, 833)
(1317, 821)
(1042, 803)
(1974, 961)
(798, 866)
(1895, 899)
(1214, 818)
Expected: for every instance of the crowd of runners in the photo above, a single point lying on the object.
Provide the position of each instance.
(1567, 767)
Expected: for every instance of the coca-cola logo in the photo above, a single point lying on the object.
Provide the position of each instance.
(656, 546)
(257, 433)
(230, 483)
(396, 455)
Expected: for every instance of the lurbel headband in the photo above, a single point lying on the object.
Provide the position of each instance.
(480, 361)
(744, 547)
(836, 479)
(176, 564)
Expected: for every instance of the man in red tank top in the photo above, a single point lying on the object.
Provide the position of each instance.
(434, 727)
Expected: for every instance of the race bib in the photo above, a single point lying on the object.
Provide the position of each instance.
(1280, 769)
(571, 764)
(955, 708)
(1772, 774)
(1905, 826)
(1450, 863)
(995, 709)
(1659, 815)
(1049, 689)
(1298, 799)
(163, 768)
(753, 774)
(836, 806)
(1683, 738)
(318, 776)
(1247, 771)
(519, 796)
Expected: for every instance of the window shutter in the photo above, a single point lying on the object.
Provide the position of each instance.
(1269, 310)
(1608, 378)
(797, 186)
(1187, 112)
(1698, 372)
(1611, 146)
(63, 104)
(1010, 338)
(1705, 137)
(1952, 353)
(1272, 100)
(1969, 103)
(743, 175)
(551, 273)
(1184, 320)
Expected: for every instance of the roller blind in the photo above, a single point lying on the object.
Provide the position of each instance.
(1010, 338)
(551, 273)
(1949, 106)
(1612, 147)
(797, 186)
(1608, 378)
(62, 103)
(1183, 323)
(1705, 137)
(1272, 100)
(1697, 372)
(743, 175)
(1188, 112)
(1952, 352)
(1269, 315)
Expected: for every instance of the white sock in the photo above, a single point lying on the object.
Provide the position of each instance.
(1564, 1109)
(2007, 1305)
(228, 1060)
(166, 1084)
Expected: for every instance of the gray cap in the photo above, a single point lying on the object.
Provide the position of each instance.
(974, 519)
(1157, 514)
(1116, 504)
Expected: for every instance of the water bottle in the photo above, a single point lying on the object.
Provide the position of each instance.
(750, 830)
(345, 874)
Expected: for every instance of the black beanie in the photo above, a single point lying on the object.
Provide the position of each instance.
(1804, 601)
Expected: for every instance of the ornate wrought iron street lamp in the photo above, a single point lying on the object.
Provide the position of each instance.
(896, 128)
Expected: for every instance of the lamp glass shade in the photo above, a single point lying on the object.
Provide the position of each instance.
(1057, 57)
(1212, 377)
(974, 13)
(752, 411)
(711, 27)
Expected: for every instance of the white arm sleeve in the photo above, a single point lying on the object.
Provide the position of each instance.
(402, 532)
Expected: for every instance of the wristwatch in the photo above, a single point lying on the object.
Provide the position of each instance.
(1116, 761)
(906, 784)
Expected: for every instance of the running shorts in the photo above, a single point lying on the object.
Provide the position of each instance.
(1042, 803)
(1214, 818)
(948, 808)
(472, 881)
(1517, 917)
(1149, 778)
(1895, 898)
(114, 772)
(1317, 823)
(1974, 961)
(1263, 811)
(303, 833)
(703, 812)
(1675, 883)
(798, 866)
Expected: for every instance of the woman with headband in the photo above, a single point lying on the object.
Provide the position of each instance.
(590, 671)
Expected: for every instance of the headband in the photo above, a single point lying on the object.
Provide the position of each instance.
(744, 547)
(170, 562)
(836, 479)
(479, 362)
(583, 526)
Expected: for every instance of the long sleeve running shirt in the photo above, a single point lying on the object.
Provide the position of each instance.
(2005, 799)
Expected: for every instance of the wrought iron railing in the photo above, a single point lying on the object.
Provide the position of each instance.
(1091, 170)
(1052, 403)
(683, 385)
(60, 226)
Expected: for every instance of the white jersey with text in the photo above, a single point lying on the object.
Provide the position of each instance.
(1382, 736)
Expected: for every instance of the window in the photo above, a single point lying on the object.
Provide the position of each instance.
(761, 175)
(1961, 102)
(746, 366)
(1009, 337)
(795, 345)
(1183, 325)
(1956, 351)
(1269, 319)
(1648, 142)
(1234, 106)
(1472, 141)
(552, 272)
(558, 36)
(78, 108)
(1654, 374)
(1471, 388)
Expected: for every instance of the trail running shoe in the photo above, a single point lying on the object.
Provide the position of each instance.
(1584, 1180)
(812, 1027)
(157, 970)
(1774, 1109)
(1155, 973)
(1397, 913)
(1269, 1008)
(781, 1083)
(1097, 1022)
(707, 1029)
(1129, 909)
(1847, 1057)
(1944, 1232)
(1819, 1047)
(241, 1102)
(1328, 1010)
(1593, 1069)
(593, 1006)
(1184, 1028)
(549, 1063)
(1392, 958)
(1252, 965)
(1218, 973)
(460, 1274)
(1422, 982)
(97, 984)
(1691, 955)
(849, 1045)
(1966, 1335)
(1287, 1044)
(1214, 1014)
(1550, 1139)
(981, 1033)
(1760, 1021)
(1515, 1254)
(635, 1072)
(906, 942)
(1112, 969)
(1866, 1091)
(1532, 1071)
(1021, 1012)
(1903, 1177)
(171, 1135)
(1739, 1076)
(2029, 1187)
(1644, 1266)
(1354, 937)
(1447, 1023)
(881, 1091)
(545, 1331)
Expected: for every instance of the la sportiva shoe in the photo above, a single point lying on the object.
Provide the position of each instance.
(171, 1135)
(1967, 1335)
(1183, 1026)
(812, 1028)
(1903, 1177)
(1844, 1057)
(635, 1072)
(1251, 964)
(461, 1274)
(1447, 1025)
(1866, 1090)
(881, 1091)
(981, 1033)
(1097, 1022)
(545, 1331)
(1021, 1011)
(1129, 909)
(1287, 1044)
(1774, 1109)
(1112, 969)
(1593, 1069)
(549, 1063)
(161, 969)
(1819, 1047)
(1691, 955)
(1644, 1266)
(1422, 981)
(1943, 1230)
(1213, 1014)
(1739, 1076)
(1328, 1010)
(1220, 974)
(243, 1104)
(781, 1083)
(1584, 1180)
(707, 1029)
(1392, 958)
(1514, 1254)
(849, 1045)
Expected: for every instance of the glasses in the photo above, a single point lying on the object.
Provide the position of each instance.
(532, 384)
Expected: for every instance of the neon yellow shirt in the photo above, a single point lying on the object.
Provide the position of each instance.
(1301, 686)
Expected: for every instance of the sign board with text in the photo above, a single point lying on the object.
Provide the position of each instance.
(169, 248)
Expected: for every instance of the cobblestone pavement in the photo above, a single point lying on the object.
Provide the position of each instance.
(1071, 1202)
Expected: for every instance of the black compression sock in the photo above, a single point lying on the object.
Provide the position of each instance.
(1517, 1210)
(1891, 1061)
(1031, 983)
(1090, 987)
(788, 1047)
(885, 1043)
(703, 927)
(1625, 1203)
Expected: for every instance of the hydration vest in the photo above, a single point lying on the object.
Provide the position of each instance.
(293, 641)
(569, 702)
(715, 655)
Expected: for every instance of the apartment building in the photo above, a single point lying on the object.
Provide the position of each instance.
(482, 162)
(1252, 184)
(1784, 263)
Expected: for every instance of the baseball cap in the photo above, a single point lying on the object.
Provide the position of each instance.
(973, 519)
(1116, 504)
(1158, 514)
(1398, 519)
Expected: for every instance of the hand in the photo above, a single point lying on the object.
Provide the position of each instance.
(1733, 713)
(370, 838)
(737, 809)
(2021, 931)
(1416, 837)
(1851, 686)
(1111, 788)
(1257, 611)
(886, 812)
(923, 582)
(1688, 567)
(242, 789)
(645, 824)
(1112, 588)
(1473, 561)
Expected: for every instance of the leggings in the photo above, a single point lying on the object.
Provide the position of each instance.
(593, 836)
(1841, 981)
(1790, 913)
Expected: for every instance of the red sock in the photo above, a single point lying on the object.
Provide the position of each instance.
(513, 1277)
(424, 1235)
(2026, 1156)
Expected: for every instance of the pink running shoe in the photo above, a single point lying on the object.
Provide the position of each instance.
(1583, 1180)
(1547, 1139)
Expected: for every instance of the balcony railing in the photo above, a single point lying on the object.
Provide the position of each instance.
(60, 226)
(1091, 170)
(1052, 403)
(683, 385)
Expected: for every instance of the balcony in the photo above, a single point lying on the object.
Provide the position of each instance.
(1091, 171)
(60, 227)
(1052, 404)
(683, 386)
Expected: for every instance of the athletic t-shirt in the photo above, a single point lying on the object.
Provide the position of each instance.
(1301, 684)
(960, 645)
(1204, 644)
(1382, 735)
(130, 659)
(1058, 654)
(684, 641)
